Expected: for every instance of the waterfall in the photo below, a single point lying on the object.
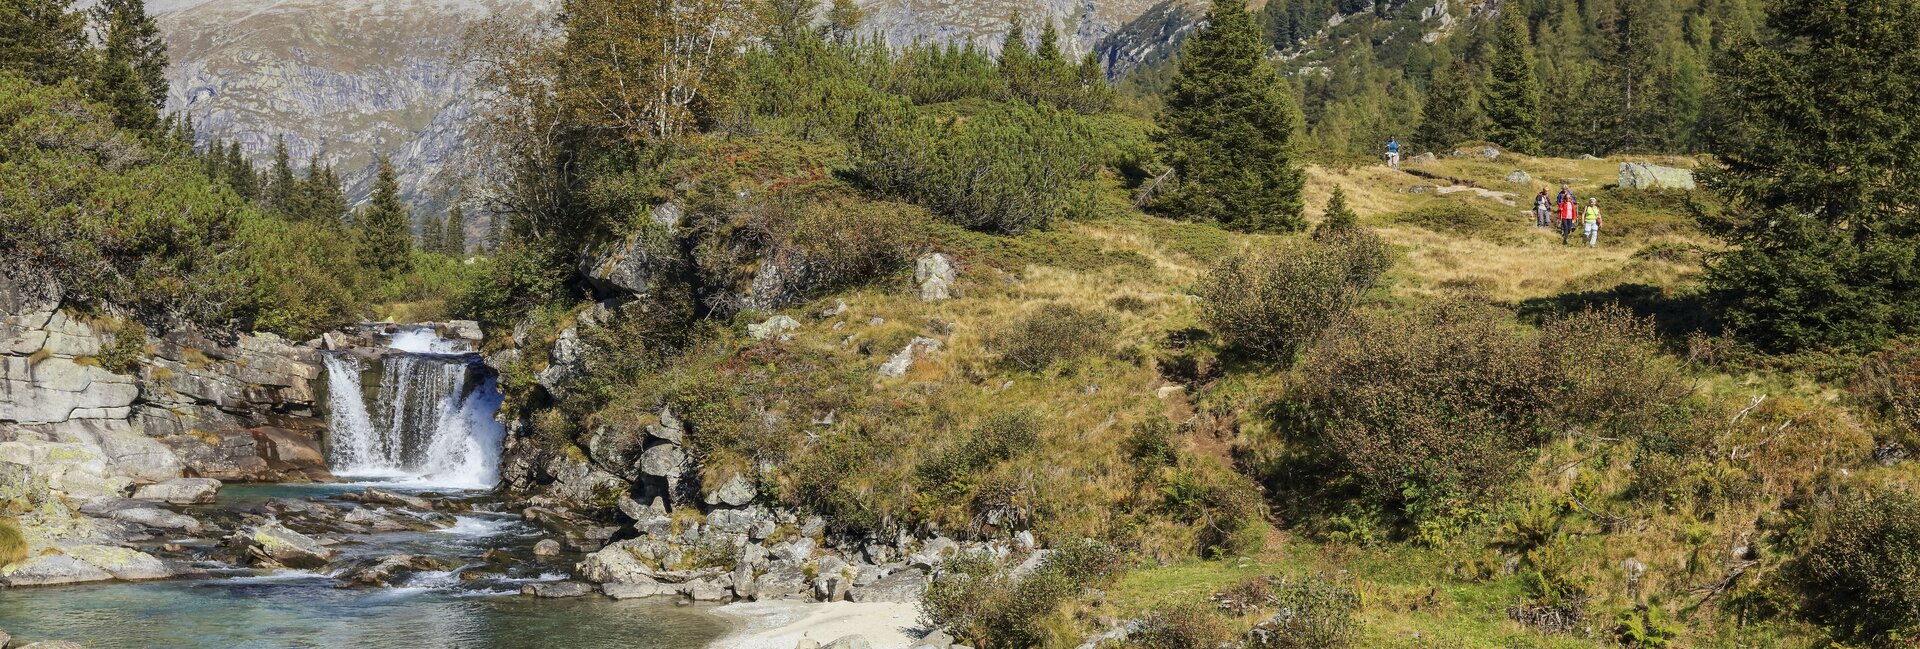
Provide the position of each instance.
(431, 422)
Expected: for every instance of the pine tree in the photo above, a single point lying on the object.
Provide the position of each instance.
(241, 175)
(1452, 112)
(321, 196)
(1048, 52)
(1339, 216)
(132, 71)
(454, 240)
(1512, 100)
(384, 225)
(789, 21)
(1229, 125)
(843, 21)
(433, 232)
(43, 40)
(1016, 56)
(1816, 137)
(280, 184)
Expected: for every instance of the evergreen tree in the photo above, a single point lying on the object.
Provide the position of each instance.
(321, 197)
(1339, 216)
(454, 240)
(789, 21)
(280, 184)
(1048, 52)
(1016, 56)
(1452, 112)
(843, 21)
(433, 233)
(384, 225)
(43, 40)
(1512, 100)
(240, 173)
(132, 73)
(1815, 144)
(1229, 125)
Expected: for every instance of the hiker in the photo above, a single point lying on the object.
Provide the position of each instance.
(1393, 152)
(1541, 210)
(1569, 209)
(1592, 219)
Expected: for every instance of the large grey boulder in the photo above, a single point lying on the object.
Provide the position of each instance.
(1520, 177)
(274, 543)
(51, 570)
(156, 518)
(557, 589)
(737, 492)
(664, 460)
(181, 491)
(123, 563)
(620, 562)
(904, 586)
(935, 274)
(855, 641)
(626, 266)
(1641, 175)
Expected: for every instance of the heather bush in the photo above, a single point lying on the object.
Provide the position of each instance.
(1053, 333)
(13, 548)
(982, 603)
(1272, 303)
(1314, 613)
(1178, 626)
(1860, 571)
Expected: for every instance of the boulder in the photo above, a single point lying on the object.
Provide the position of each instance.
(935, 274)
(557, 589)
(378, 496)
(546, 548)
(5, 640)
(291, 452)
(737, 492)
(156, 518)
(181, 491)
(905, 586)
(855, 641)
(1487, 151)
(628, 266)
(467, 330)
(705, 591)
(1640, 175)
(619, 563)
(123, 563)
(664, 460)
(54, 644)
(900, 362)
(795, 551)
(637, 589)
(387, 570)
(1425, 158)
(1519, 177)
(51, 570)
(735, 521)
(773, 326)
(274, 543)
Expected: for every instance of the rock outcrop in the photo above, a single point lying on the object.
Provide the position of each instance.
(1641, 175)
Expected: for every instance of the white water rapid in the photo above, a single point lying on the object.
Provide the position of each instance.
(431, 422)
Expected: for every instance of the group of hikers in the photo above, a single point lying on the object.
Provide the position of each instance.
(1566, 205)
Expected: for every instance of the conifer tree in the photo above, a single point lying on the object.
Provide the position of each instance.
(321, 196)
(454, 240)
(1452, 112)
(789, 21)
(1048, 52)
(1816, 137)
(280, 184)
(132, 69)
(1512, 100)
(384, 225)
(43, 40)
(1016, 56)
(240, 173)
(433, 233)
(1229, 126)
(1339, 216)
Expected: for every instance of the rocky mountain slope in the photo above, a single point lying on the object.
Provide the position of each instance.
(348, 79)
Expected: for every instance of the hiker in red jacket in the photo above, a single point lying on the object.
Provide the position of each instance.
(1569, 210)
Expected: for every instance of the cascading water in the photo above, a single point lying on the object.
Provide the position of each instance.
(431, 422)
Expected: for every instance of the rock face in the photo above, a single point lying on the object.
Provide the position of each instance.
(181, 491)
(183, 404)
(901, 361)
(1640, 175)
(935, 275)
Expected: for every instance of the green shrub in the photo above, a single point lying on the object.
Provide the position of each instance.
(1010, 169)
(13, 548)
(996, 438)
(982, 604)
(1273, 303)
(1444, 398)
(1315, 613)
(1860, 572)
(1223, 506)
(512, 283)
(1054, 333)
(1888, 384)
(1178, 626)
(122, 354)
(1607, 369)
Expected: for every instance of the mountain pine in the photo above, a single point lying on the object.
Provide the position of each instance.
(384, 225)
(1816, 142)
(240, 173)
(1512, 99)
(1229, 126)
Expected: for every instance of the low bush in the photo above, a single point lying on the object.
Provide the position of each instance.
(1445, 398)
(983, 604)
(1888, 384)
(1607, 369)
(1010, 169)
(1179, 626)
(1273, 303)
(1860, 571)
(1223, 506)
(996, 438)
(1314, 613)
(1053, 333)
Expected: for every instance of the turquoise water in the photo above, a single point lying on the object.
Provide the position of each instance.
(236, 607)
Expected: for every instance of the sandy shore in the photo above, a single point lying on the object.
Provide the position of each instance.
(781, 625)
